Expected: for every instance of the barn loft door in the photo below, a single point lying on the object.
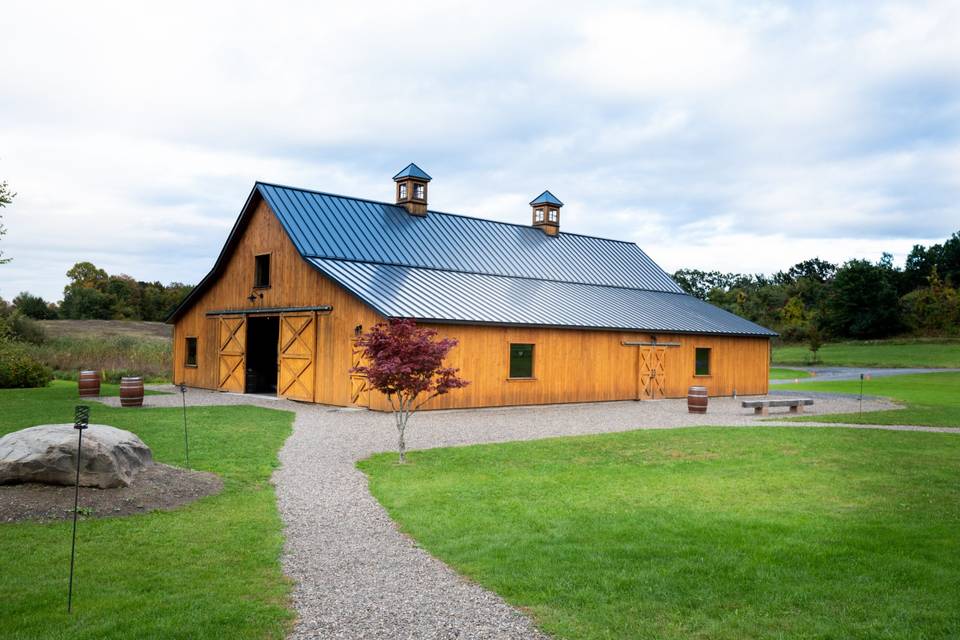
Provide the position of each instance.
(650, 372)
(232, 342)
(296, 357)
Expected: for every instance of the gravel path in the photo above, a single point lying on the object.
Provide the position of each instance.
(355, 575)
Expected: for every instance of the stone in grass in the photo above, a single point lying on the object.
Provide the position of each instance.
(47, 454)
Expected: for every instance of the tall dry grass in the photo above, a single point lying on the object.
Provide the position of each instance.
(113, 356)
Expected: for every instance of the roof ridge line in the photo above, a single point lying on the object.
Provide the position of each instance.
(436, 211)
(495, 275)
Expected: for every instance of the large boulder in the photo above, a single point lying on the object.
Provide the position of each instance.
(110, 458)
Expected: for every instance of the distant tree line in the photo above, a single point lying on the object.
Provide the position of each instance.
(815, 300)
(93, 294)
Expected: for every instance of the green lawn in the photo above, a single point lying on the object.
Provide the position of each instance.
(881, 353)
(787, 374)
(699, 533)
(932, 399)
(208, 570)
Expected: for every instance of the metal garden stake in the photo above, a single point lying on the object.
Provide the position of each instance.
(81, 419)
(186, 440)
(861, 396)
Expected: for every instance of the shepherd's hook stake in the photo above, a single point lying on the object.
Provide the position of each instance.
(81, 419)
(186, 440)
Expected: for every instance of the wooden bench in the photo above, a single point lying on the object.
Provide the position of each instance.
(762, 407)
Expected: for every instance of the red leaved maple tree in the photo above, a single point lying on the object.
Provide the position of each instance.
(405, 363)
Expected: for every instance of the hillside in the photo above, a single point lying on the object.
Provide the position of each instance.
(107, 329)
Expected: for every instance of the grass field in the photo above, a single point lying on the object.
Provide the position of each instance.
(699, 533)
(787, 374)
(136, 329)
(208, 570)
(879, 353)
(114, 347)
(931, 399)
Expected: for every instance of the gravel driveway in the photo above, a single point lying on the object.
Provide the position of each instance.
(355, 575)
(827, 374)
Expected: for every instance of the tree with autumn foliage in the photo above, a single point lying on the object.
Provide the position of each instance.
(405, 363)
(6, 197)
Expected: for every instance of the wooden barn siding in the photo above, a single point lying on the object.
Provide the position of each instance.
(294, 283)
(584, 366)
(570, 365)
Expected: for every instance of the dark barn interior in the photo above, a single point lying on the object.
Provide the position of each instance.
(263, 336)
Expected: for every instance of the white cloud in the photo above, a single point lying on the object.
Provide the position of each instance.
(133, 135)
(652, 52)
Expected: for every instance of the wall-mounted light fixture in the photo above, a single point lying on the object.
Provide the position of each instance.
(357, 330)
(254, 295)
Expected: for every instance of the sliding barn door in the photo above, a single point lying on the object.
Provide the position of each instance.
(650, 372)
(297, 357)
(231, 358)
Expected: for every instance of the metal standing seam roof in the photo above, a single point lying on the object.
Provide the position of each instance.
(450, 268)
(453, 268)
(451, 296)
(412, 171)
(328, 226)
(546, 198)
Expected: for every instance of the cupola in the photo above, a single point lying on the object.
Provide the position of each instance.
(546, 213)
(412, 189)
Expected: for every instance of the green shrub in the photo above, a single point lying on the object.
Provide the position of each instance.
(15, 325)
(113, 376)
(932, 310)
(19, 370)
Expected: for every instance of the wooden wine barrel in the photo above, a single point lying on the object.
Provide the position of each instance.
(697, 400)
(89, 384)
(131, 392)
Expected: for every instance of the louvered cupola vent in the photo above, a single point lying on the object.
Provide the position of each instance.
(412, 189)
(546, 213)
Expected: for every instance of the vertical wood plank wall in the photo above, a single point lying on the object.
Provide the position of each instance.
(569, 365)
(585, 366)
(294, 283)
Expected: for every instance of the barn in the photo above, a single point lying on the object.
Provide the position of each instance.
(542, 316)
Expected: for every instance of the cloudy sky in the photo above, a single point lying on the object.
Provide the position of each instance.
(739, 136)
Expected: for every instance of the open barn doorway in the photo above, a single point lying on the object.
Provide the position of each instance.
(263, 334)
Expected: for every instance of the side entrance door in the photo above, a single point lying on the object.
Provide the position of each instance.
(650, 372)
(231, 341)
(359, 394)
(296, 359)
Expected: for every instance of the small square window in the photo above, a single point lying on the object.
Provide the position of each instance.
(261, 271)
(553, 215)
(538, 215)
(418, 191)
(403, 190)
(521, 360)
(702, 367)
(190, 354)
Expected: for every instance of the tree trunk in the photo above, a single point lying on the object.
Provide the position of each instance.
(401, 416)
